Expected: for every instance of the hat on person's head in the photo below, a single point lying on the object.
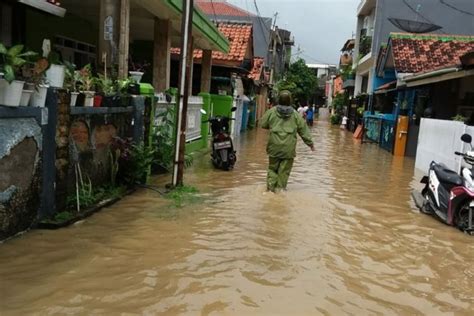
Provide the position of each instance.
(284, 98)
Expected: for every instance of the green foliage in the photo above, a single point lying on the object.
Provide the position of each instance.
(85, 197)
(11, 60)
(163, 140)
(300, 81)
(91, 197)
(86, 79)
(106, 85)
(63, 217)
(338, 102)
(459, 118)
(335, 119)
(71, 77)
(139, 165)
(347, 72)
(183, 195)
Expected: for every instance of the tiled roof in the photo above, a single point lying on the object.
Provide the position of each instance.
(239, 36)
(415, 53)
(219, 7)
(256, 71)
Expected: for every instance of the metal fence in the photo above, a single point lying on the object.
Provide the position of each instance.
(387, 134)
(380, 130)
(372, 129)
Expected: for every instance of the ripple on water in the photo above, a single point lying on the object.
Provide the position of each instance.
(345, 239)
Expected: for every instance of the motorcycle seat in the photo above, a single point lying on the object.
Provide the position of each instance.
(446, 175)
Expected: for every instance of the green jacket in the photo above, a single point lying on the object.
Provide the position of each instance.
(284, 123)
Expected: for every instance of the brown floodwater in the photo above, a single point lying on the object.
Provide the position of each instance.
(344, 239)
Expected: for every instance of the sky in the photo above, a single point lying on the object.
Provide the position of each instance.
(320, 27)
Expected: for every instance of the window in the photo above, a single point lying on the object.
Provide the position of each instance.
(78, 53)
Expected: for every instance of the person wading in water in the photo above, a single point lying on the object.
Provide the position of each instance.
(284, 124)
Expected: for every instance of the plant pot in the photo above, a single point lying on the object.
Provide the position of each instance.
(10, 93)
(55, 75)
(136, 75)
(98, 101)
(38, 99)
(74, 98)
(111, 101)
(80, 99)
(134, 88)
(25, 97)
(89, 98)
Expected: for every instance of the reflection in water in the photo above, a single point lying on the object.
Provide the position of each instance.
(344, 239)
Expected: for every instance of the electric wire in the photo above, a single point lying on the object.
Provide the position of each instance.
(214, 12)
(455, 8)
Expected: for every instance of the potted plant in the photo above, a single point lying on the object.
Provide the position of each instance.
(109, 89)
(86, 82)
(11, 60)
(35, 81)
(56, 71)
(71, 79)
(137, 70)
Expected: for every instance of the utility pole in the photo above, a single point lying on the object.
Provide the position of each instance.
(184, 82)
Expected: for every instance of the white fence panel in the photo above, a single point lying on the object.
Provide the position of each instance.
(194, 116)
(437, 141)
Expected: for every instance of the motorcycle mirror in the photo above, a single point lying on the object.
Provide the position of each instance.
(234, 108)
(466, 138)
(203, 111)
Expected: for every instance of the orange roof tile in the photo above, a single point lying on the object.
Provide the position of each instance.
(239, 36)
(415, 53)
(256, 71)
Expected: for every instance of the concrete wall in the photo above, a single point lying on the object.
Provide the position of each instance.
(438, 140)
(20, 167)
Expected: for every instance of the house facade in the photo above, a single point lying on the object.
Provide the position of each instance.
(376, 19)
(429, 75)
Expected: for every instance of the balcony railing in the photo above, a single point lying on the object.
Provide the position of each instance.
(365, 45)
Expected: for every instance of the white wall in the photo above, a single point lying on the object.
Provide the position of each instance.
(438, 140)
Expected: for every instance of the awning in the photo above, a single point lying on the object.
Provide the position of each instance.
(205, 33)
(45, 6)
(437, 76)
(142, 15)
(388, 87)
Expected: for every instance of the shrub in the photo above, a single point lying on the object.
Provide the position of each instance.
(335, 119)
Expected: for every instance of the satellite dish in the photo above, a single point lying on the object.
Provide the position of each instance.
(411, 26)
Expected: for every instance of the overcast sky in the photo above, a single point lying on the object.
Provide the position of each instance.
(320, 27)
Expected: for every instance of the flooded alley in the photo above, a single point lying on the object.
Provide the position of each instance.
(344, 239)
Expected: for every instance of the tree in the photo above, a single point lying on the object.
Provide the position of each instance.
(300, 81)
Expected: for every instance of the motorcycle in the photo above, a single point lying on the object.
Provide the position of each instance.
(223, 155)
(449, 196)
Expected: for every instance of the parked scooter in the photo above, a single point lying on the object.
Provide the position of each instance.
(447, 195)
(223, 155)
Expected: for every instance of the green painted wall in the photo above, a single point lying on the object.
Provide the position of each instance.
(221, 104)
(40, 26)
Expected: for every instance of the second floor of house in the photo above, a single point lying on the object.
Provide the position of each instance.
(376, 19)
